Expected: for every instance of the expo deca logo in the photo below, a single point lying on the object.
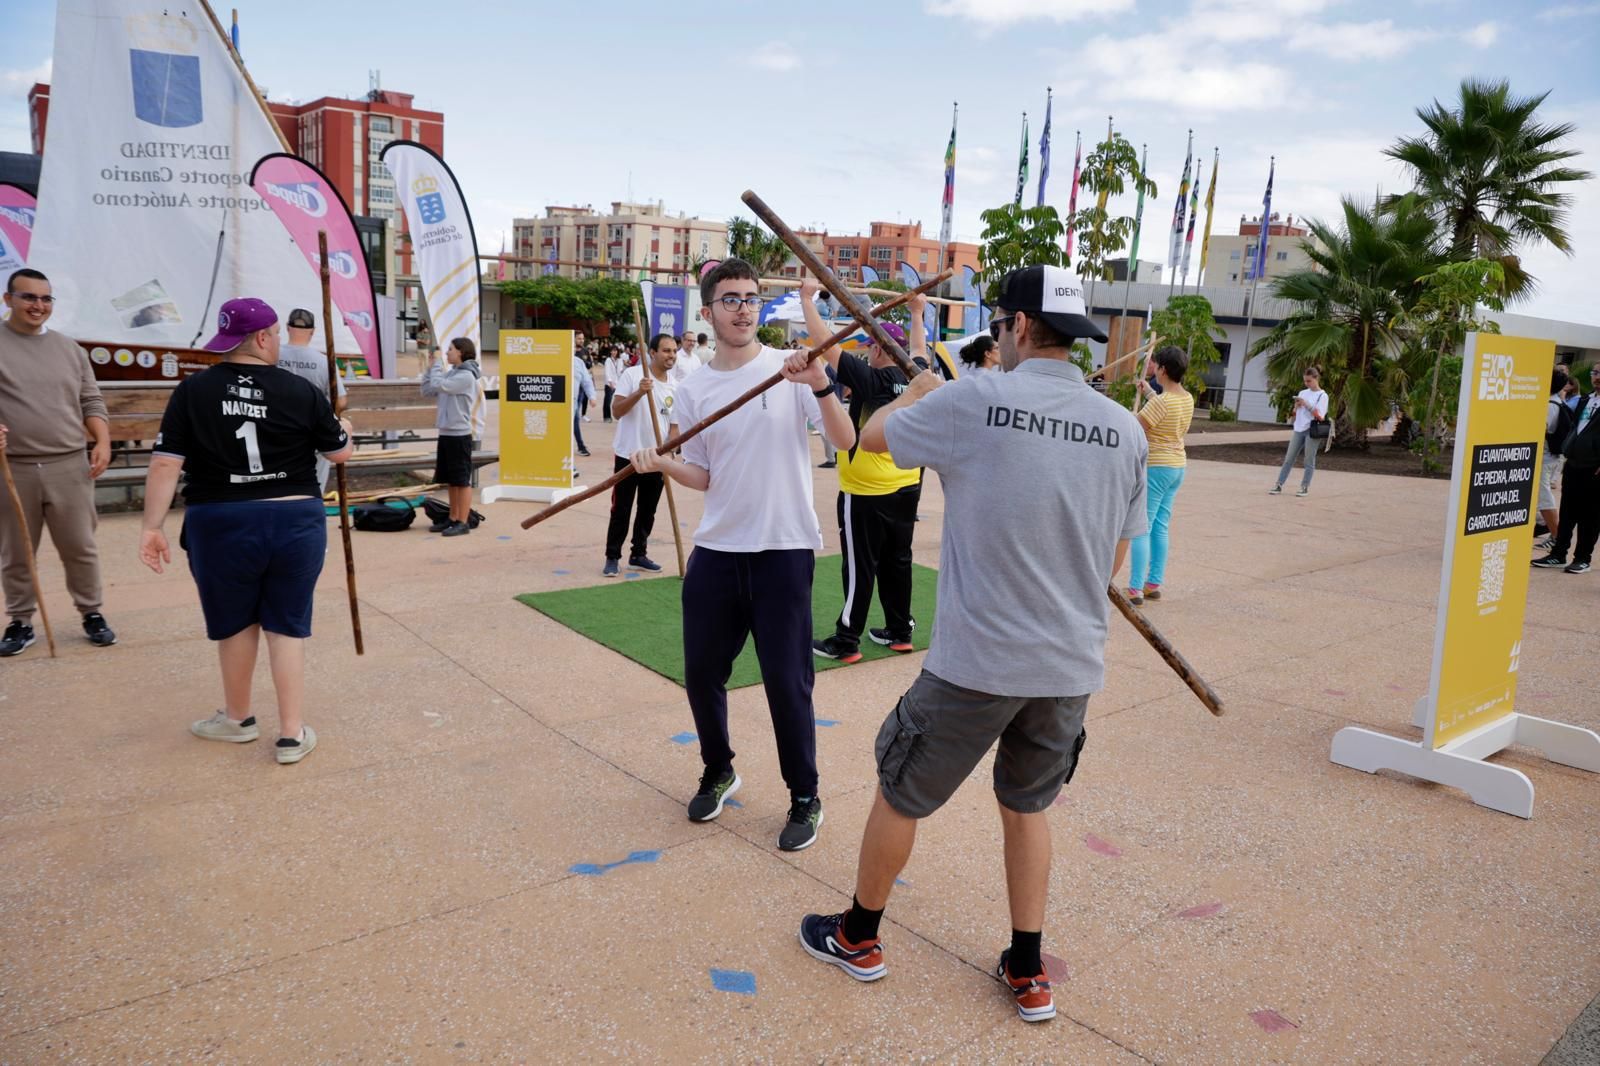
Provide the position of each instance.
(1495, 376)
(518, 345)
(301, 194)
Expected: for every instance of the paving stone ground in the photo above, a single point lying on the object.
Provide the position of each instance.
(487, 860)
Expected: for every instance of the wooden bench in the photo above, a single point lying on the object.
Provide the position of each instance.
(394, 426)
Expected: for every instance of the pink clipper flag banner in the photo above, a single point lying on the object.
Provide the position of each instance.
(16, 227)
(305, 202)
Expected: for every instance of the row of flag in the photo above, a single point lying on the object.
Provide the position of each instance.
(1186, 209)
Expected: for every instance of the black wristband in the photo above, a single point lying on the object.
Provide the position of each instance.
(820, 393)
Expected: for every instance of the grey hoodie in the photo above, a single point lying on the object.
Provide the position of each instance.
(457, 390)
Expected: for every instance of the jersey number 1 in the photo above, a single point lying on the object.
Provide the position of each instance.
(252, 448)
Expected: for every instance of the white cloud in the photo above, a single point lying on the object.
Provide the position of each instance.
(996, 13)
(779, 58)
(1568, 11)
(1356, 40)
(14, 84)
(1168, 68)
(1482, 35)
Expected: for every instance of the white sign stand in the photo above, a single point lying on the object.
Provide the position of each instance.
(1459, 762)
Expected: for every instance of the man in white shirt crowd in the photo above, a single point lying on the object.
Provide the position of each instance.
(637, 388)
(751, 570)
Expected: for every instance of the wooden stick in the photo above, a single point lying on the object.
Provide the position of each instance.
(1146, 350)
(1164, 648)
(794, 283)
(344, 487)
(655, 424)
(808, 258)
(27, 551)
(718, 415)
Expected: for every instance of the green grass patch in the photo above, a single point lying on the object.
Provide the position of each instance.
(643, 619)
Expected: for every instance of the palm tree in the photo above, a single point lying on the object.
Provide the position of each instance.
(762, 250)
(1492, 175)
(1365, 274)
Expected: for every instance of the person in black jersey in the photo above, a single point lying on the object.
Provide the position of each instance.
(245, 434)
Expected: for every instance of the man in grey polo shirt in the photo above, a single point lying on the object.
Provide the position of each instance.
(306, 362)
(1044, 485)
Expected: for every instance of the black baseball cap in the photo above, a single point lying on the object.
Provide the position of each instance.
(300, 318)
(1053, 293)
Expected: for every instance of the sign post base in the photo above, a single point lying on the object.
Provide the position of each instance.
(1460, 764)
(528, 493)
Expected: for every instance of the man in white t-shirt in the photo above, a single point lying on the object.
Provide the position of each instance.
(306, 362)
(751, 569)
(636, 390)
(1310, 405)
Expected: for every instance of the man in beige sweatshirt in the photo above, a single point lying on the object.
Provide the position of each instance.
(50, 406)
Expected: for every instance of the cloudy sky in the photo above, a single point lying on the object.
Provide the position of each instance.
(838, 113)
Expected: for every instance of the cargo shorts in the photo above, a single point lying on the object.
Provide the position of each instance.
(938, 732)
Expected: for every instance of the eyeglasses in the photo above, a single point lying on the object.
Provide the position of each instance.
(32, 298)
(733, 303)
(996, 323)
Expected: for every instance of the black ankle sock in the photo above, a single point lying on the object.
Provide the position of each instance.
(248, 721)
(1024, 958)
(860, 924)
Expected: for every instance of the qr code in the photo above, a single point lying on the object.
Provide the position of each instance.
(1492, 572)
(536, 424)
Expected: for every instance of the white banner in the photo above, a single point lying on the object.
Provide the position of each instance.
(442, 242)
(146, 222)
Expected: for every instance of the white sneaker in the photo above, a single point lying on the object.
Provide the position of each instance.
(220, 727)
(292, 751)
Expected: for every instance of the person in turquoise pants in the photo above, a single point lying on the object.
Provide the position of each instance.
(1165, 420)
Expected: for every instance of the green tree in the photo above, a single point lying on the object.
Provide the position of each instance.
(594, 299)
(1493, 176)
(1366, 273)
(751, 242)
(1113, 169)
(1445, 312)
(1016, 237)
(1189, 323)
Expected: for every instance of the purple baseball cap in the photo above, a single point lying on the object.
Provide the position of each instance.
(893, 329)
(237, 320)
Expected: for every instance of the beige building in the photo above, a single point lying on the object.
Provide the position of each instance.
(629, 237)
(1227, 262)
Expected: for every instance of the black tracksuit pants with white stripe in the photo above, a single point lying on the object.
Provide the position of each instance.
(875, 541)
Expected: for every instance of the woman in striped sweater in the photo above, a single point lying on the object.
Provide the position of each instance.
(1165, 420)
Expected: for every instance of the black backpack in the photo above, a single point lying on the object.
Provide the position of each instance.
(388, 514)
(1566, 419)
(438, 512)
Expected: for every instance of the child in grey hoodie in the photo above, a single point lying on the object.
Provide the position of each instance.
(456, 388)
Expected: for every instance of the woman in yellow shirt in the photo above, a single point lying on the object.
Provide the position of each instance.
(1165, 420)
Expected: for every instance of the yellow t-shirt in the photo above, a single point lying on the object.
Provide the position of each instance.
(1166, 419)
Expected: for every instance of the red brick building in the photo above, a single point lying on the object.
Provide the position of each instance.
(886, 244)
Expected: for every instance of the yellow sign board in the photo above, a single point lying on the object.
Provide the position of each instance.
(536, 403)
(1483, 591)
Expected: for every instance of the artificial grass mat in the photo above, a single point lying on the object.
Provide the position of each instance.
(644, 619)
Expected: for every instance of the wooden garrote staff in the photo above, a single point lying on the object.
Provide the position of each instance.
(27, 552)
(655, 424)
(826, 277)
(344, 488)
(727, 409)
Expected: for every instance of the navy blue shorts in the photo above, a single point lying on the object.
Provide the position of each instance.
(256, 562)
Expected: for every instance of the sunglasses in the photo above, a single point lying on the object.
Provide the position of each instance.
(996, 323)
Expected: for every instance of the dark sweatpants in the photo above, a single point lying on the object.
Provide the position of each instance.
(1580, 512)
(648, 488)
(875, 538)
(728, 596)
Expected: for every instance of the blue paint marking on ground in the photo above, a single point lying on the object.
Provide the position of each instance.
(742, 982)
(733, 803)
(902, 884)
(590, 869)
(561, 573)
(631, 577)
(503, 536)
(684, 738)
(827, 723)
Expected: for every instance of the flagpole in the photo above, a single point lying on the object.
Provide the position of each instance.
(1044, 148)
(1257, 269)
(1133, 256)
(1174, 247)
(947, 210)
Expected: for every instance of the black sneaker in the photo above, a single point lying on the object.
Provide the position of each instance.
(96, 629)
(829, 465)
(440, 526)
(456, 529)
(901, 644)
(1577, 568)
(584, 452)
(805, 816)
(1551, 561)
(834, 648)
(643, 562)
(610, 569)
(714, 792)
(18, 636)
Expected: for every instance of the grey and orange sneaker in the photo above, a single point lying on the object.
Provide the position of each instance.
(823, 938)
(1035, 1002)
